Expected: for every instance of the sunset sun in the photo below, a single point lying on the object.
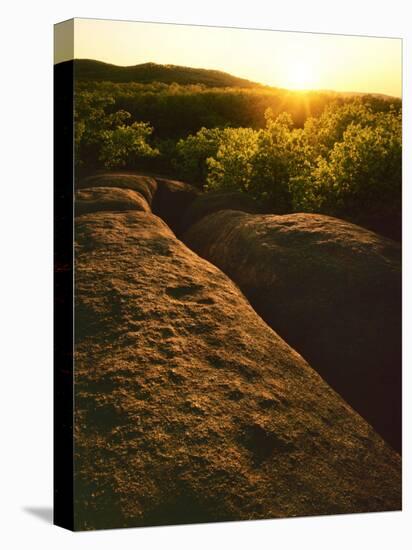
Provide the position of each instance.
(300, 76)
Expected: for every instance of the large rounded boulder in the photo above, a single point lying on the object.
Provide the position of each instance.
(331, 289)
(189, 408)
(144, 185)
(96, 199)
(209, 203)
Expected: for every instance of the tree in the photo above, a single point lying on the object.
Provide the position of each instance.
(102, 136)
(193, 152)
(125, 144)
(361, 174)
(232, 166)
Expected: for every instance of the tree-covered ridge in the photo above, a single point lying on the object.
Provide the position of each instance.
(89, 69)
(175, 110)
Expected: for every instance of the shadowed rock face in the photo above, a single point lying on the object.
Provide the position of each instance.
(331, 289)
(189, 408)
(108, 198)
(145, 185)
(209, 203)
(172, 199)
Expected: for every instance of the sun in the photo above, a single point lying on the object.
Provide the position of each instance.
(300, 76)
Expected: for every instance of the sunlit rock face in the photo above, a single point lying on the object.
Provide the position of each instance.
(189, 407)
(145, 185)
(117, 191)
(331, 289)
(113, 199)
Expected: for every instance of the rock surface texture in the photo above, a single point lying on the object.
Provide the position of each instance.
(145, 185)
(189, 408)
(209, 203)
(97, 199)
(331, 289)
(168, 198)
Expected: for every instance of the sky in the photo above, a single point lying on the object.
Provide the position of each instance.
(276, 58)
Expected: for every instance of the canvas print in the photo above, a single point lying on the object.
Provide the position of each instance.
(228, 274)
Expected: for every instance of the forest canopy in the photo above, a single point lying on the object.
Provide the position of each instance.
(338, 154)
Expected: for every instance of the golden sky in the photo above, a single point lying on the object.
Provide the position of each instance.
(283, 59)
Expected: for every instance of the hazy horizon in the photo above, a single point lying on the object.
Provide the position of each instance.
(291, 60)
(231, 74)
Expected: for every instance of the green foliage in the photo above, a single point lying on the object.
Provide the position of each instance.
(274, 161)
(232, 167)
(259, 163)
(327, 129)
(124, 144)
(177, 110)
(346, 162)
(316, 152)
(360, 173)
(193, 152)
(103, 137)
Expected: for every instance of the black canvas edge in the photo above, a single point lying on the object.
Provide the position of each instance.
(63, 386)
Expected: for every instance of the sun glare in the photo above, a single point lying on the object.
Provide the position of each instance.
(297, 61)
(300, 76)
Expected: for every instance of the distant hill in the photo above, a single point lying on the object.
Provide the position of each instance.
(88, 69)
(354, 94)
